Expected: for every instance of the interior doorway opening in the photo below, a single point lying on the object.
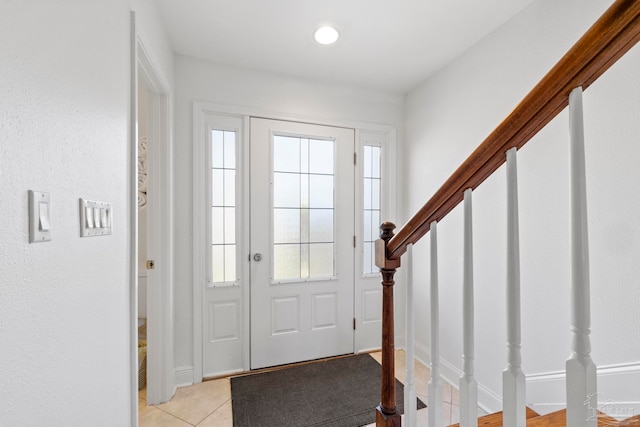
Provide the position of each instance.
(151, 308)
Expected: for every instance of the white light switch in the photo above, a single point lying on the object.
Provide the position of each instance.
(43, 216)
(95, 218)
(88, 214)
(39, 217)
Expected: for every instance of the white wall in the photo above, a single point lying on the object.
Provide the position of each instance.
(198, 80)
(447, 117)
(65, 304)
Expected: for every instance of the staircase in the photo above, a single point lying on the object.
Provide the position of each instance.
(617, 30)
(554, 419)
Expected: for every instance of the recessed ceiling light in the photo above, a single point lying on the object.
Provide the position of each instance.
(326, 35)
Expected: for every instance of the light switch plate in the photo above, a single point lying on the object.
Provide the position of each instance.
(39, 217)
(95, 218)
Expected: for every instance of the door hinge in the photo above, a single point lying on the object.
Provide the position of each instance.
(354, 241)
(354, 323)
(355, 156)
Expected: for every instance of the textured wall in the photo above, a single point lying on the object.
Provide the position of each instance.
(64, 304)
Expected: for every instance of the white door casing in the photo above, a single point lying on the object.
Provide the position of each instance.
(366, 300)
(371, 209)
(160, 370)
(311, 316)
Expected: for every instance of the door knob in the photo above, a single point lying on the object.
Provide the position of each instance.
(257, 257)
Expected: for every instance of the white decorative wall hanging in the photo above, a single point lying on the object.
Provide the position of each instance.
(142, 171)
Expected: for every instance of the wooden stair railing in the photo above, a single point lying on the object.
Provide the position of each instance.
(613, 34)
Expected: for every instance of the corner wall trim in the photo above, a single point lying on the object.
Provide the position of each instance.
(617, 390)
(183, 376)
(618, 394)
(488, 400)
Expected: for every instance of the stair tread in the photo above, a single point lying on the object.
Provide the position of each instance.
(495, 420)
(559, 418)
(555, 419)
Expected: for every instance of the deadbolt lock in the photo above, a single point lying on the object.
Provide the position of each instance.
(151, 264)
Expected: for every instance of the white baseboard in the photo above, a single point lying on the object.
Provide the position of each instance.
(618, 392)
(399, 342)
(488, 400)
(183, 376)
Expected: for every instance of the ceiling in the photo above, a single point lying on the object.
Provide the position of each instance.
(385, 45)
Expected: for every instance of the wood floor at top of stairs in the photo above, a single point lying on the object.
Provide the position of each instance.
(495, 420)
(555, 419)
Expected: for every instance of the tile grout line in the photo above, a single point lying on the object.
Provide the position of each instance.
(219, 407)
(177, 417)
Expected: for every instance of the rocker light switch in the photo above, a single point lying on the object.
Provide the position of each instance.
(95, 218)
(39, 217)
(88, 215)
(43, 213)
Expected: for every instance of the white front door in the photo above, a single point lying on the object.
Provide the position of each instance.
(302, 237)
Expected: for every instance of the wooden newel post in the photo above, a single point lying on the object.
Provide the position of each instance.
(386, 413)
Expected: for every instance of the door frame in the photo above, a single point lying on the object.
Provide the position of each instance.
(201, 111)
(160, 370)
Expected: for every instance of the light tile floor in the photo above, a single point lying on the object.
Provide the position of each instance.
(208, 404)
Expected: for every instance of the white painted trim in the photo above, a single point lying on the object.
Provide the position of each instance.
(401, 339)
(199, 242)
(410, 409)
(203, 120)
(367, 350)
(435, 383)
(546, 390)
(200, 110)
(183, 376)
(488, 400)
(246, 244)
(133, 220)
(385, 139)
(160, 376)
(214, 108)
(227, 373)
(617, 383)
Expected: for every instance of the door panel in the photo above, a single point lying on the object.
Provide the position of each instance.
(302, 228)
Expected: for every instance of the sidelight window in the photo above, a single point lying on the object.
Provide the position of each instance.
(372, 178)
(223, 207)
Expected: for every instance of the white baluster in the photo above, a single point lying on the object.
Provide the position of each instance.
(581, 371)
(513, 379)
(468, 384)
(435, 383)
(410, 405)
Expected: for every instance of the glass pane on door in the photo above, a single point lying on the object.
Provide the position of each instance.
(303, 208)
